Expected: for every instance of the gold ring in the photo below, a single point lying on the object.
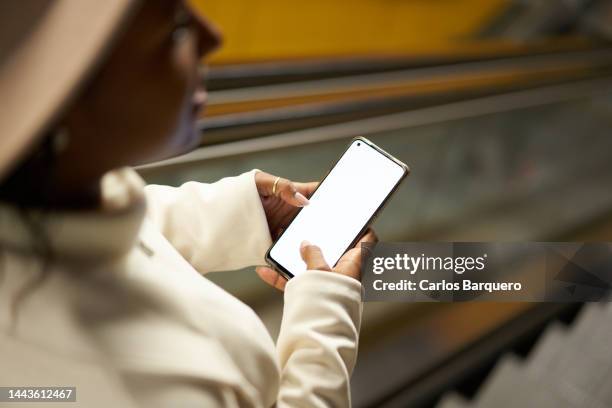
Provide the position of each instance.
(274, 186)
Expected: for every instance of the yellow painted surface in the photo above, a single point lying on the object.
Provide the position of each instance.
(464, 81)
(286, 29)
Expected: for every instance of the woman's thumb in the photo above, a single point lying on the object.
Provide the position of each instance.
(312, 255)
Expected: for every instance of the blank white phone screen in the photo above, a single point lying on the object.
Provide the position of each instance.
(341, 206)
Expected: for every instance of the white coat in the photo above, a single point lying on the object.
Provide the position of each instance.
(123, 312)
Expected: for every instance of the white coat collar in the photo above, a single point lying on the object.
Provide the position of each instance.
(83, 235)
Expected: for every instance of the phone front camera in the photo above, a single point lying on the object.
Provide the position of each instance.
(358, 143)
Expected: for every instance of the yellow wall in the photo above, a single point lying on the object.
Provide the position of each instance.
(279, 29)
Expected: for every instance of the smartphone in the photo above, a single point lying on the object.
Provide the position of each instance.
(345, 202)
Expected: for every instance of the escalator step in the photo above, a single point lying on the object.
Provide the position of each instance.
(453, 401)
(511, 388)
(603, 391)
(581, 364)
(589, 318)
(543, 355)
(500, 386)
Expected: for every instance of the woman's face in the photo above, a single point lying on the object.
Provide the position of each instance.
(143, 103)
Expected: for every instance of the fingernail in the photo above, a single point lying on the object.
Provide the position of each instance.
(304, 244)
(301, 199)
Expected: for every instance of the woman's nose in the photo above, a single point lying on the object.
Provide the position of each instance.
(208, 35)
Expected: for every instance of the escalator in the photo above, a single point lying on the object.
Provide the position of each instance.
(505, 147)
(352, 95)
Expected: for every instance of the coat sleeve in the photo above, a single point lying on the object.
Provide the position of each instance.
(218, 226)
(317, 344)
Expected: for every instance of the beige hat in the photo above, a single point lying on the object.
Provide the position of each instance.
(47, 49)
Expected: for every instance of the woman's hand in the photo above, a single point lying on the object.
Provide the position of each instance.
(281, 203)
(349, 264)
